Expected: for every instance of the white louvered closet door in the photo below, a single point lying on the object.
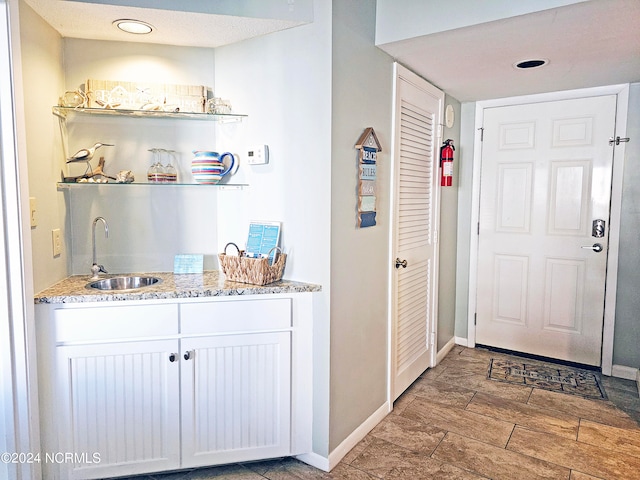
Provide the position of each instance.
(418, 113)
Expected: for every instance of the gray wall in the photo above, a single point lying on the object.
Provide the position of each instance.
(626, 345)
(448, 237)
(465, 188)
(42, 58)
(362, 77)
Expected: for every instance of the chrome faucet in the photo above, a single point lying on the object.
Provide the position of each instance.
(95, 268)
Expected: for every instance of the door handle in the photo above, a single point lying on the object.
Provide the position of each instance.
(596, 247)
(401, 263)
(617, 140)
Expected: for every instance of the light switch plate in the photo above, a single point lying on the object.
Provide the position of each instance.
(32, 212)
(57, 242)
(258, 155)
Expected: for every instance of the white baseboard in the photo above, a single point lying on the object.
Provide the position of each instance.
(463, 342)
(444, 350)
(315, 460)
(327, 464)
(628, 373)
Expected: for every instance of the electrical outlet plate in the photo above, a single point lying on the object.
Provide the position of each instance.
(258, 155)
(57, 242)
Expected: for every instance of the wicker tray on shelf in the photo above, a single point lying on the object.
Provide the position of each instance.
(256, 271)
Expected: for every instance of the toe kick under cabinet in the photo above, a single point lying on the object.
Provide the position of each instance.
(143, 388)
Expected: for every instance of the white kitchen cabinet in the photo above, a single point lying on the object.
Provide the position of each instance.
(239, 379)
(109, 392)
(119, 407)
(236, 398)
(152, 387)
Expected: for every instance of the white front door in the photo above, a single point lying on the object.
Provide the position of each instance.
(545, 190)
(418, 114)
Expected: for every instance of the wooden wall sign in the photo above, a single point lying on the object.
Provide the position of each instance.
(368, 147)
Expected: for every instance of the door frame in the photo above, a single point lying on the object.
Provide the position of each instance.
(20, 414)
(622, 93)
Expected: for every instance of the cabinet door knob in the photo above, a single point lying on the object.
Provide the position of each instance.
(188, 355)
(173, 357)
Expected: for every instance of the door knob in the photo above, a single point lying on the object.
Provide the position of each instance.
(188, 355)
(596, 247)
(401, 263)
(173, 357)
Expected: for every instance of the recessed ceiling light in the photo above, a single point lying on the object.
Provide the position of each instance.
(533, 63)
(133, 26)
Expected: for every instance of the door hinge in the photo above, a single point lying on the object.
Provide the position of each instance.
(481, 134)
(433, 339)
(478, 231)
(475, 318)
(617, 140)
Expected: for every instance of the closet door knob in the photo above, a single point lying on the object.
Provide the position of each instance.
(401, 263)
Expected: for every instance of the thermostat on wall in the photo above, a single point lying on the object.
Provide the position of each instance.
(258, 155)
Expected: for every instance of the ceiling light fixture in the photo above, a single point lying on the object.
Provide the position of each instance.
(133, 26)
(534, 63)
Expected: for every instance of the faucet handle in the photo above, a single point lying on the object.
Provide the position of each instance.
(101, 269)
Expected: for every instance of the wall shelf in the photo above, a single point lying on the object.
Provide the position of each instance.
(68, 112)
(220, 186)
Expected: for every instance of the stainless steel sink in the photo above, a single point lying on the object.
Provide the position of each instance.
(124, 283)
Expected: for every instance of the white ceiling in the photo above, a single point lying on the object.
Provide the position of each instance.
(80, 19)
(591, 43)
(587, 44)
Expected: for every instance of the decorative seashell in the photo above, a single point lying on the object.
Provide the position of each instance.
(151, 106)
(125, 176)
(108, 105)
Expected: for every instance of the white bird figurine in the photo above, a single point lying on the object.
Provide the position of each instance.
(86, 154)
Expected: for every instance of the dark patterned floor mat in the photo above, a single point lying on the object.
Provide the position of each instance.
(558, 378)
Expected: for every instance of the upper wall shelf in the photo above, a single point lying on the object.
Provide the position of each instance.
(62, 186)
(66, 112)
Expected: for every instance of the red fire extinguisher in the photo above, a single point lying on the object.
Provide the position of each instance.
(446, 163)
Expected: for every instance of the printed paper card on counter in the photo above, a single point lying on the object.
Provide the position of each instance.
(188, 263)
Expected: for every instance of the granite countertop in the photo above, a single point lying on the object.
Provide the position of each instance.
(209, 284)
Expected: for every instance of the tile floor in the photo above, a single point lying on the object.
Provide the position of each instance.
(453, 423)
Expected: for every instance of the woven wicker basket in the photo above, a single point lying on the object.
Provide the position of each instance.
(256, 271)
